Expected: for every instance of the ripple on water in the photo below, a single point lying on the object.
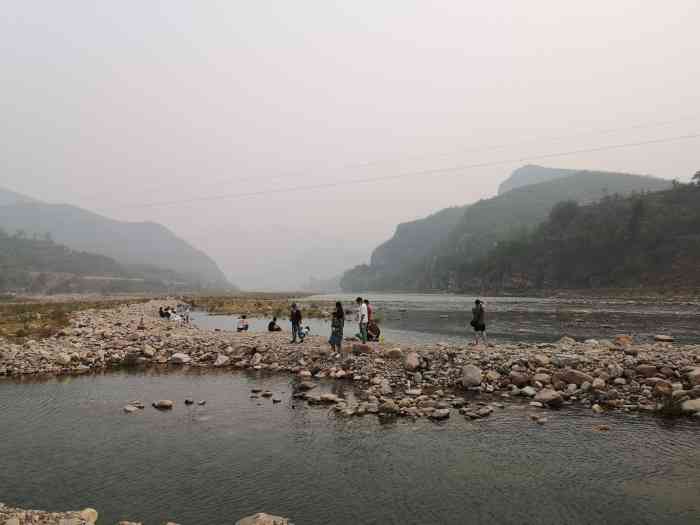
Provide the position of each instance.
(67, 444)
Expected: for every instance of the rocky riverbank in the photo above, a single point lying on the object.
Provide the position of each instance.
(433, 381)
(13, 516)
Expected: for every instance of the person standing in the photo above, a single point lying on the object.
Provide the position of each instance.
(370, 311)
(479, 322)
(295, 318)
(337, 324)
(362, 318)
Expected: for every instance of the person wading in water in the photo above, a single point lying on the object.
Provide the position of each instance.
(478, 322)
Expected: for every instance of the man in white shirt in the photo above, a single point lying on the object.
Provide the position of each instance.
(362, 318)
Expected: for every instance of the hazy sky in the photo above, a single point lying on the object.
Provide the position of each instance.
(120, 106)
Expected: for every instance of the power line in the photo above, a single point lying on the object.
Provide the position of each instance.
(493, 147)
(451, 170)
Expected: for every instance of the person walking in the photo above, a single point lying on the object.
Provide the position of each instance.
(362, 318)
(337, 324)
(295, 318)
(478, 322)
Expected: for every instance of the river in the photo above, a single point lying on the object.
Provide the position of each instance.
(66, 444)
(427, 318)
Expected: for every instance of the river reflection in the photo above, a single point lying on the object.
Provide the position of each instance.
(67, 444)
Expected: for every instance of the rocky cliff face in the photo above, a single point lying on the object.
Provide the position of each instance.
(428, 253)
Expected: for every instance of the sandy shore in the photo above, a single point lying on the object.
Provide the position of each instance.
(420, 381)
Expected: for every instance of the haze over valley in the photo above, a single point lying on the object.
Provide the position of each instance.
(269, 139)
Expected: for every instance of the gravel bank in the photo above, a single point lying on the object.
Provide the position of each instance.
(423, 381)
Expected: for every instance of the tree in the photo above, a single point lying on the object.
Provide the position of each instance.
(563, 213)
(696, 177)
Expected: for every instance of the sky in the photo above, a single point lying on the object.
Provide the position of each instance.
(257, 130)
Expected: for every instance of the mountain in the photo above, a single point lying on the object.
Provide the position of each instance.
(532, 174)
(130, 243)
(8, 197)
(40, 265)
(650, 240)
(322, 285)
(435, 261)
(416, 239)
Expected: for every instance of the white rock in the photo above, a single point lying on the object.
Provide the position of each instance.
(263, 519)
(221, 360)
(691, 406)
(180, 359)
(471, 376)
(63, 359)
(412, 361)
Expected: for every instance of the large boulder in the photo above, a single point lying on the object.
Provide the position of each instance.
(694, 375)
(663, 338)
(361, 348)
(624, 340)
(163, 404)
(549, 397)
(263, 519)
(180, 359)
(598, 384)
(471, 376)
(221, 360)
(539, 360)
(394, 353)
(63, 359)
(305, 385)
(441, 413)
(647, 370)
(89, 515)
(412, 362)
(566, 342)
(572, 376)
(519, 379)
(389, 407)
(691, 406)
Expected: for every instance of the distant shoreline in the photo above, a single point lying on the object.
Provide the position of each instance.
(608, 293)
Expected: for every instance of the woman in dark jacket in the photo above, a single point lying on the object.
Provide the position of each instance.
(479, 321)
(337, 324)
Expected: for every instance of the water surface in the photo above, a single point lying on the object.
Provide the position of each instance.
(427, 318)
(65, 443)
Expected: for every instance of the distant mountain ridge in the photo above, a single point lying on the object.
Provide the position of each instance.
(40, 265)
(532, 174)
(429, 253)
(132, 243)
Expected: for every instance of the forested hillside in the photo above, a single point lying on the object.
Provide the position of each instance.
(40, 265)
(650, 240)
(144, 243)
(418, 264)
